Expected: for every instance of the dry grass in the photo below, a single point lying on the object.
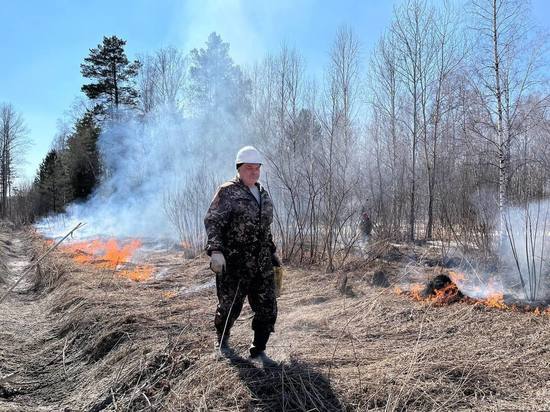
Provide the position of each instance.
(6, 249)
(85, 339)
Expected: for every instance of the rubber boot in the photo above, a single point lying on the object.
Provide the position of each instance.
(259, 343)
(257, 354)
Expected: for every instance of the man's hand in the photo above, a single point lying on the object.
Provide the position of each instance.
(217, 262)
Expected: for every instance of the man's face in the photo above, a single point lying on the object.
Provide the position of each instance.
(249, 173)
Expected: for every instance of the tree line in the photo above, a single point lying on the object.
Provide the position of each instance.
(72, 167)
(441, 129)
(445, 132)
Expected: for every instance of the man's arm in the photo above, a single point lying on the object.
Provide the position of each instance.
(275, 260)
(216, 220)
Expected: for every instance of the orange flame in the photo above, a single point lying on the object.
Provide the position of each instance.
(138, 274)
(495, 300)
(458, 278)
(110, 255)
(416, 291)
(451, 293)
(443, 296)
(446, 295)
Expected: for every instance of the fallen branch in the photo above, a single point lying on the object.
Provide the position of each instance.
(51, 249)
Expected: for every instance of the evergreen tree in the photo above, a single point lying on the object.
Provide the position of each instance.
(51, 183)
(82, 158)
(218, 85)
(113, 73)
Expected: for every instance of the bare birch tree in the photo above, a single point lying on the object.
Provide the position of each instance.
(340, 141)
(391, 164)
(412, 31)
(505, 72)
(283, 120)
(13, 142)
(162, 79)
(437, 102)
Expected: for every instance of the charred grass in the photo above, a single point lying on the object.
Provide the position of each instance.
(101, 342)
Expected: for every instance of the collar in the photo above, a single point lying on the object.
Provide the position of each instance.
(239, 181)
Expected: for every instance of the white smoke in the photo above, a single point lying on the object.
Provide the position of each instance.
(522, 268)
(147, 161)
(526, 248)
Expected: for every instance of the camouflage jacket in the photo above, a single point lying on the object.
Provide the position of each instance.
(240, 228)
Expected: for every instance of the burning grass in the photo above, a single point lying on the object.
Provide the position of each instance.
(445, 290)
(111, 254)
(100, 342)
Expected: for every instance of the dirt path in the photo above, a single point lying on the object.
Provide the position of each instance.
(24, 327)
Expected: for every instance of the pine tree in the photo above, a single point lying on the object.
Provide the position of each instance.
(113, 73)
(218, 85)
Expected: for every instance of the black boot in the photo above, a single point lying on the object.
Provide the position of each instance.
(257, 354)
(222, 342)
(221, 345)
(261, 336)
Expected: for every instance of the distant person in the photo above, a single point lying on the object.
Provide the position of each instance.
(242, 253)
(365, 225)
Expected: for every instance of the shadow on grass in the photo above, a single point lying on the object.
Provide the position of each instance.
(292, 386)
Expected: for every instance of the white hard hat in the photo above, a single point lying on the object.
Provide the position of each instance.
(248, 154)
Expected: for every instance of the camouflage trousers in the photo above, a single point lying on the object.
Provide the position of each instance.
(232, 290)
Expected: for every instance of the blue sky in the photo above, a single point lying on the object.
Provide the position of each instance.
(44, 42)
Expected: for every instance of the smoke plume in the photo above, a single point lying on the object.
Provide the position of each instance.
(153, 166)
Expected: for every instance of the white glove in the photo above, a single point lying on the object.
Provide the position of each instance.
(217, 262)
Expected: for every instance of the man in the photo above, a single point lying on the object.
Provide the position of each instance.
(365, 229)
(365, 225)
(242, 252)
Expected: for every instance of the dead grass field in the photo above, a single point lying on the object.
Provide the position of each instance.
(77, 338)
